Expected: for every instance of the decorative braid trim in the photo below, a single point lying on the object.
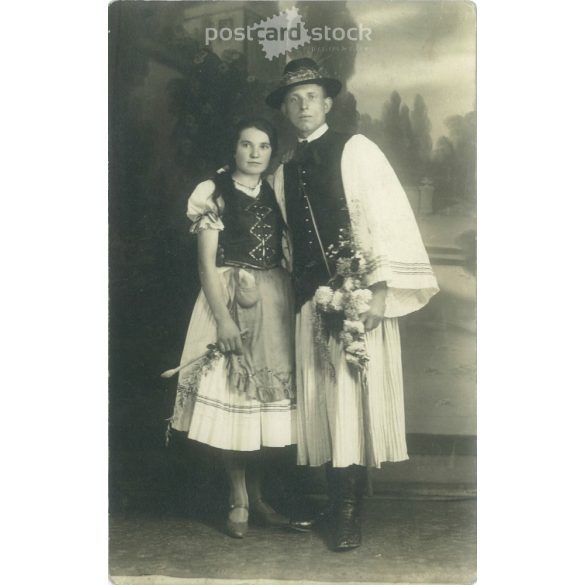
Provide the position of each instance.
(301, 75)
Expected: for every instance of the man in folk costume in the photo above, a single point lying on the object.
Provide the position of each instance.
(336, 182)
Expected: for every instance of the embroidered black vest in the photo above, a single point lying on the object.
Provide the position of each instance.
(315, 174)
(252, 234)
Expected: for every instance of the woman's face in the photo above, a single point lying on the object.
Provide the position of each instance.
(253, 151)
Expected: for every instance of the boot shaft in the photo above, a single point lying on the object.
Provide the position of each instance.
(346, 483)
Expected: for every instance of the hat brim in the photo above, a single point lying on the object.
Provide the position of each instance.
(332, 87)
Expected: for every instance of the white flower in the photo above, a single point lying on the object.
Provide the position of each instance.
(363, 295)
(349, 284)
(323, 296)
(345, 338)
(344, 267)
(337, 301)
(353, 326)
(357, 348)
(360, 300)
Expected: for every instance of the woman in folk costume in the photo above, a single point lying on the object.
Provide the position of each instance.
(336, 183)
(242, 400)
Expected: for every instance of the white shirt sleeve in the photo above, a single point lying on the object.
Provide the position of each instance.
(385, 228)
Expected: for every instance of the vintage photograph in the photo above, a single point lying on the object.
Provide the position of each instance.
(292, 292)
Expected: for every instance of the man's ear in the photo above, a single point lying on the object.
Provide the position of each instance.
(283, 109)
(328, 104)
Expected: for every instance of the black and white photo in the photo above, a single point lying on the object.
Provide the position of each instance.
(292, 292)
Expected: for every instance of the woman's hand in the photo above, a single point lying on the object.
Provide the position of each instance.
(229, 337)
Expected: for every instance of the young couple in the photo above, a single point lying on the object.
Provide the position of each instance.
(272, 387)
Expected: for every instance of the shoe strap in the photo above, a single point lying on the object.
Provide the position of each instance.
(233, 507)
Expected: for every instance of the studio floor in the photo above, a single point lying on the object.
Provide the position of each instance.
(405, 541)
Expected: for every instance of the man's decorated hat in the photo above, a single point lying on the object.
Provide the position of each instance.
(301, 72)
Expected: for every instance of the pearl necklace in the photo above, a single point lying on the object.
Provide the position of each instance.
(246, 186)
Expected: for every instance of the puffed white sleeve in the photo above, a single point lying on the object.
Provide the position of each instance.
(202, 209)
(385, 228)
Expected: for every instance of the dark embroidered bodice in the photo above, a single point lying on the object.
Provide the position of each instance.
(313, 182)
(252, 234)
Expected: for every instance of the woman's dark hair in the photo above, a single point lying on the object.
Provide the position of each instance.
(258, 123)
(222, 178)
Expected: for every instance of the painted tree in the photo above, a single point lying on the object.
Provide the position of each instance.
(372, 129)
(454, 166)
(421, 129)
(443, 171)
(344, 116)
(409, 161)
(462, 134)
(391, 125)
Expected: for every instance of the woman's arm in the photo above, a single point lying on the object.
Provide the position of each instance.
(228, 334)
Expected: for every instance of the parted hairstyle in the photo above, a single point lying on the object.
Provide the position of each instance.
(258, 123)
(221, 176)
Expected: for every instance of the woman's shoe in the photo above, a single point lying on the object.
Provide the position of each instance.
(237, 529)
(265, 515)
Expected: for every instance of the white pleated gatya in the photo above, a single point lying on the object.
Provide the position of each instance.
(339, 420)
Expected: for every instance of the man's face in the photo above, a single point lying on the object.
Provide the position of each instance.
(306, 107)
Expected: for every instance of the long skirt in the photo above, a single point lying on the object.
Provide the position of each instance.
(216, 408)
(342, 419)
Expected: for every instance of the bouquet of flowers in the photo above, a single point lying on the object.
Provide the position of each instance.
(199, 367)
(340, 303)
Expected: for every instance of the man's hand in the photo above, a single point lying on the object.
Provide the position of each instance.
(371, 319)
(374, 315)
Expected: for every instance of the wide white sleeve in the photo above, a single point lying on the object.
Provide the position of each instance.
(202, 210)
(385, 228)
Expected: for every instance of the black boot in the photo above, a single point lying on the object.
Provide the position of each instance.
(348, 489)
(307, 523)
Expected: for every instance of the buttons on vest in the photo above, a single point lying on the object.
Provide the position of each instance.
(303, 177)
(318, 177)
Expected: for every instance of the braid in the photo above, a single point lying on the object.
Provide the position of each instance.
(222, 180)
